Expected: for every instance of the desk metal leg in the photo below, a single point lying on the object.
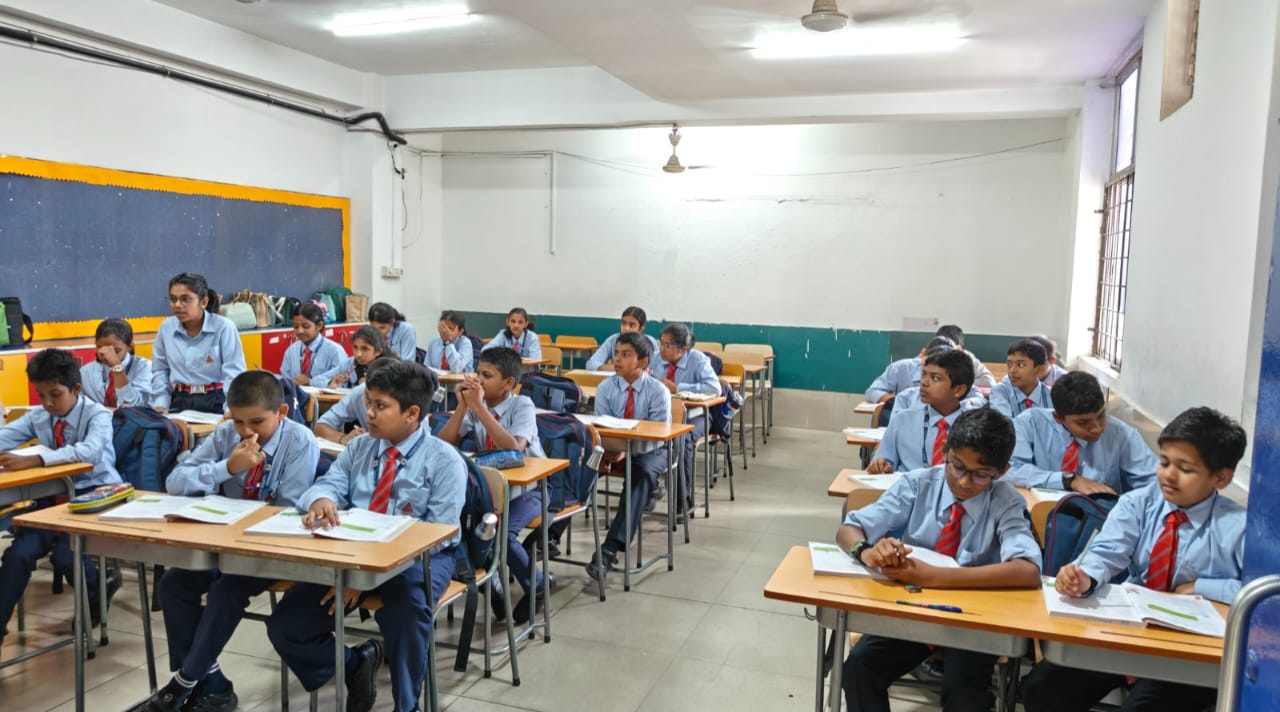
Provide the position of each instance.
(819, 674)
(103, 638)
(339, 638)
(764, 412)
(545, 535)
(626, 520)
(837, 663)
(77, 551)
(671, 510)
(431, 696)
(148, 642)
(770, 409)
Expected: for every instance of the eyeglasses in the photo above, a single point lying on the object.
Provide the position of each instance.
(979, 477)
(184, 299)
(667, 345)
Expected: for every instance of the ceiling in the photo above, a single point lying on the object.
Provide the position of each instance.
(686, 50)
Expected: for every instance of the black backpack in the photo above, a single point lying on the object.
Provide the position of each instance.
(472, 552)
(14, 322)
(1071, 526)
(555, 393)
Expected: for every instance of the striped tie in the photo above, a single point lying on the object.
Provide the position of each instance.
(109, 398)
(253, 481)
(1071, 458)
(629, 410)
(939, 443)
(306, 361)
(1027, 403)
(949, 539)
(1164, 555)
(60, 434)
(671, 372)
(382, 493)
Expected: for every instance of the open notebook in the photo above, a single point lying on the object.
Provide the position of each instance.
(1131, 604)
(875, 434)
(211, 509)
(355, 525)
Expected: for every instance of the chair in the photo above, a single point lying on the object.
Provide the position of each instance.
(579, 455)
(765, 350)
(12, 414)
(754, 391)
(554, 393)
(705, 346)
(998, 370)
(585, 378)
(545, 340)
(734, 370)
(555, 356)
(311, 411)
(573, 344)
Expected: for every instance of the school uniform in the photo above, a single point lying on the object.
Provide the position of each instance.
(351, 409)
(897, 377)
(1209, 551)
(96, 383)
(198, 633)
(911, 441)
(605, 352)
(692, 373)
(350, 372)
(1053, 374)
(994, 528)
(82, 435)
(319, 360)
(644, 399)
(191, 374)
(454, 357)
(910, 398)
(527, 345)
(982, 376)
(403, 340)
(1012, 402)
(1120, 459)
(429, 483)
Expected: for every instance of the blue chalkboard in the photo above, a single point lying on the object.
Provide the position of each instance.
(78, 251)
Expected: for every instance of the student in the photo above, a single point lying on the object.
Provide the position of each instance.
(960, 508)
(398, 468)
(196, 351)
(490, 412)
(116, 377)
(401, 337)
(1054, 372)
(631, 393)
(259, 453)
(519, 336)
(367, 345)
(77, 430)
(910, 397)
(916, 437)
(1022, 389)
(311, 359)
(350, 412)
(633, 321)
(683, 369)
(901, 375)
(1077, 446)
(451, 350)
(982, 377)
(1176, 534)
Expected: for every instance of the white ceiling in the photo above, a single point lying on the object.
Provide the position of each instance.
(687, 50)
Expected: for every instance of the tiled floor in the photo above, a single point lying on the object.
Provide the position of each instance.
(700, 637)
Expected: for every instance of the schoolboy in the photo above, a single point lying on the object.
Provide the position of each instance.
(398, 468)
(1022, 389)
(631, 393)
(911, 396)
(1077, 446)
(683, 369)
(916, 437)
(982, 377)
(959, 508)
(1055, 371)
(1176, 534)
(350, 412)
(633, 321)
(77, 430)
(901, 375)
(311, 360)
(116, 377)
(495, 417)
(451, 350)
(259, 453)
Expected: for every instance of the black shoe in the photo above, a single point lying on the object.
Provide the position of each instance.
(651, 505)
(362, 688)
(520, 614)
(170, 698)
(498, 606)
(659, 491)
(598, 569)
(202, 700)
(113, 585)
(928, 671)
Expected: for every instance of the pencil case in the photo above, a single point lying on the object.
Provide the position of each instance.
(499, 459)
(100, 498)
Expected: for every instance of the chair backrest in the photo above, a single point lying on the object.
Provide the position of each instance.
(476, 347)
(732, 368)
(576, 342)
(311, 411)
(567, 438)
(749, 358)
(677, 410)
(554, 393)
(14, 413)
(497, 487)
(705, 346)
(552, 354)
(544, 339)
(584, 378)
(762, 349)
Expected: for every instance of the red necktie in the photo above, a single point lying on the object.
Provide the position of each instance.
(1027, 403)
(253, 482)
(629, 411)
(382, 493)
(488, 439)
(1071, 458)
(109, 400)
(1164, 555)
(949, 539)
(444, 360)
(671, 372)
(939, 443)
(60, 434)
(306, 361)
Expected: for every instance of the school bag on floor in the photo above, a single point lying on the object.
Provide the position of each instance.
(555, 393)
(1071, 526)
(473, 553)
(564, 437)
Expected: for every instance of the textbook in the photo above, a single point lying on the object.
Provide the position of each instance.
(195, 416)
(354, 525)
(40, 450)
(875, 434)
(330, 445)
(879, 482)
(1131, 604)
(828, 559)
(608, 421)
(866, 408)
(211, 509)
(687, 395)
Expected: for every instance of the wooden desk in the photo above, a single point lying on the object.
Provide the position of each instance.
(862, 441)
(573, 344)
(702, 404)
(537, 470)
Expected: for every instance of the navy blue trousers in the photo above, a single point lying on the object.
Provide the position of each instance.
(197, 634)
(524, 509)
(1054, 688)
(875, 662)
(645, 471)
(20, 559)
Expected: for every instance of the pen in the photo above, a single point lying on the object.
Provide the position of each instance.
(933, 606)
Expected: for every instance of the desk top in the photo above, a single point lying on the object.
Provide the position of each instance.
(649, 431)
(36, 475)
(860, 441)
(534, 469)
(731, 380)
(700, 402)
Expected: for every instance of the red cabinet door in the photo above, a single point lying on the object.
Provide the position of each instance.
(82, 354)
(274, 344)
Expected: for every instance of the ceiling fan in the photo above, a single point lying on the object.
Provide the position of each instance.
(825, 16)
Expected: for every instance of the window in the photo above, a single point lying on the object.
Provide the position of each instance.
(1117, 207)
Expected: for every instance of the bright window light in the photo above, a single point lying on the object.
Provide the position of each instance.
(390, 22)
(856, 42)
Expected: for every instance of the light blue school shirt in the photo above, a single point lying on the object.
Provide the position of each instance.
(403, 340)
(347, 370)
(908, 441)
(1120, 459)
(1053, 374)
(982, 376)
(1210, 543)
(458, 352)
(288, 470)
(136, 393)
(351, 409)
(897, 377)
(910, 398)
(652, 399)
(517, 415)
(527, 345)
(430, 482)
(214, 356)
(1012, 402)
(327, 358)
(605, 352)
(87, 438)
(993, 529)
(694, 373)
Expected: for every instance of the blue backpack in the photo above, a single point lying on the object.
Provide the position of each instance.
(297, 400)
(722, 416)
(472, 553)
(717, 363)
(146, 445)
(1071, 526)
(324, 463)
(477, 344)
(555, 393)
(565, 437)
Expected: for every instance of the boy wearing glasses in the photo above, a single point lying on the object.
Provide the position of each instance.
(960, 509)
(682, 369)
(1077, 446)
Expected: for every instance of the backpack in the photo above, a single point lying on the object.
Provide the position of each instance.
(324, 463)
(283, 308)
(12, 322)
(721, 417)
(565, 437)
(717, 363)
(146, 444)
(477, 345)
(555, 393)
(325, 302)
(419, 356)
(338, 295)
(472, 552)
(296, 398)
(240, 314)
(1070, 527)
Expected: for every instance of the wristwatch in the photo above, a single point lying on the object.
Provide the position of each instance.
(856, 550)
(1067, 479)
(118, 368)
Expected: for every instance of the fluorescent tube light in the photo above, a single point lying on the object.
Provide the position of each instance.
(859, 42)
(390, 22)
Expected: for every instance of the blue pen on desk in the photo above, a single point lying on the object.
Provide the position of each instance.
(932, 606)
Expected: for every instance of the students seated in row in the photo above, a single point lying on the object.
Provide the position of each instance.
(116, 377)
(367, 345)
(1054, 372)
(910, 397)
(311, 359)
(1022, 389)
(982, 377)
(77, 430)
(349, 418)
(1176, 534)
(901, 375)
(683, 369)
(519, 336)
(196, 351)
(916, 437)
(959, 508)
(398, 468)
(451, 350)
(400, 336)
(259, 453)
(631, 393)
(1077, 446)
(633, 321)
(490, 412)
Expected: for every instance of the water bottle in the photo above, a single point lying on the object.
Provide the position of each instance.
(593, 462)
(439, 395)
(487, 529)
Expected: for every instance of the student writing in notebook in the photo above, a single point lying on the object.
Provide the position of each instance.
(451, 350)
(116, 377)
(367, 345)
(1022, 389)
(349, 418)
(1176, 534)
(916, 437)
(519, 336)
(900, 376)
(311, 359)
(401, 337)
(196, 350)
(633, 321)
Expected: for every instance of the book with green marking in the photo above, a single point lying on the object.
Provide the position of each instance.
(210, 509)
(1131, 604)
(353, 525)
